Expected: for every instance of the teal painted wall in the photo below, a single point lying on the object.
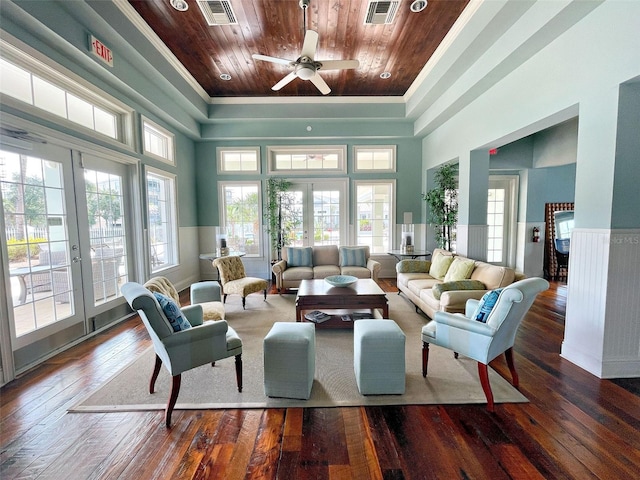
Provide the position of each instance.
(548, 185)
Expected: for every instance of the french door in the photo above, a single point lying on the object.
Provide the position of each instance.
(319, 210)
(501, 216)
(65, 245)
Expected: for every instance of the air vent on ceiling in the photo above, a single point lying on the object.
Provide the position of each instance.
(217, 12)
(380, 12)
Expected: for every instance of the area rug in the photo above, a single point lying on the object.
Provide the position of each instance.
(450, 380)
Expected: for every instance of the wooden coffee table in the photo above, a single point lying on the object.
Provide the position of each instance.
(365, 294)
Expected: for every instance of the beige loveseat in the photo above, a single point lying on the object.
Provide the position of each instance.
(417, 278)
(309, 263)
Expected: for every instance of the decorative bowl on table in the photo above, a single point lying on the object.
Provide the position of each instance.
(341, 280)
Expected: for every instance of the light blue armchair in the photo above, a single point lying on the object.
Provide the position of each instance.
(205, 342)
(484, 341)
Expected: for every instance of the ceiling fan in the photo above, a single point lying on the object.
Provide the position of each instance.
(306, 67)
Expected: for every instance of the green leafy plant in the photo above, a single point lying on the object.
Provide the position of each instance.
(279, 215)
(442, 202)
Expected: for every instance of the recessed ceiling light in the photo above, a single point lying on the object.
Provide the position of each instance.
(225, 76)
(385, 75)
(418, 5)
(180, 5)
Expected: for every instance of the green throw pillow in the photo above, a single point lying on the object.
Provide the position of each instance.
(439, 265)
(460, 269)
(439, 288)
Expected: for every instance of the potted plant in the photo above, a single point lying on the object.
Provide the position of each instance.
(442, 201)
(280, 218)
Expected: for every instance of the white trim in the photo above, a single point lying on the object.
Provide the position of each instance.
(375, 148)
(220, 151)
(169, 137)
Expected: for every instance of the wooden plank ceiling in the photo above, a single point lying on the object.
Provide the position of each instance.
(275, 28)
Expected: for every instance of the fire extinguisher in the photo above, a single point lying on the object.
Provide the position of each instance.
(536, 234)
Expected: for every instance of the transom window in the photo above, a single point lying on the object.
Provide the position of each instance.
(157, 141)
(307, 159)
(374, 159)
(31, 82)
(238, 160)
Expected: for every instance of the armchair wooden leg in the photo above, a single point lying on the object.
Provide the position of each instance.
(456, 355)
(483, 372)
(173, 396)
(425, 358)
(244, 301)
(265, 294)
(224, 299)
(239, 371)
(154, 375)
(512, 367)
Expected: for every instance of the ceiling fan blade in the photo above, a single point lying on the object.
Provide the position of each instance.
(266, 58)
(284, 81)
(338, 64)
(310, 44)
(319, 82)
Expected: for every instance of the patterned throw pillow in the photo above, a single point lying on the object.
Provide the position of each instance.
(487, 302)
(439, 265)
(353, 257)
(173, 313)
(299, 257)
(439, 288)
(460, 269)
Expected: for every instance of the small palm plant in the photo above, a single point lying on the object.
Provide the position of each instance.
(443, 205)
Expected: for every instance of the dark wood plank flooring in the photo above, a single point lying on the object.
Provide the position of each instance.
(576, 426)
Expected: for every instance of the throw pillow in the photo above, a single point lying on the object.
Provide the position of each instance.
(439, 288)
(460, 269)
(353, 257)
(299, 257)
(173, 313)
(439, 265)
(487, 302)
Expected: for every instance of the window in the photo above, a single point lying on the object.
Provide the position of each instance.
(31, 82)
(307, 159)
(157, 141)
(374, 215)
(374, 159)
(240, 203)
(238, 160)
(162, 220)
(495, 222)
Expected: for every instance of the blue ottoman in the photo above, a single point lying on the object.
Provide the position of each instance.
(378, 357)
(289, 360)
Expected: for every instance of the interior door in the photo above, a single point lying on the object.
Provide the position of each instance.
(41, 248)
(320, 212)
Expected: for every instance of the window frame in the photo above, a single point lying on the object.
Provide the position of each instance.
(392, 210)
(174, 241)
(221, 151)
(392, 149)
(163, 132)
(339, 150)
(223, 211)
(24, 57)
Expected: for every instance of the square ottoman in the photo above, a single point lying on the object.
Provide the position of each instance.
(378, 357)
(289, 360)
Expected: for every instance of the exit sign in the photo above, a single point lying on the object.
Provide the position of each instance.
(101, 51)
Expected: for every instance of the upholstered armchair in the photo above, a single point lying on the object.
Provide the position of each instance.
(484, 340)
(234, 279)
(191, 346)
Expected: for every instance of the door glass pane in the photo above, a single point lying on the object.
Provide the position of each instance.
(36, 240)
(107, 232)
(373, 210)
(326, 217)
(495, 221)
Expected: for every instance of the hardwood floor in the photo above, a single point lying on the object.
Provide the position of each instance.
(575, 426)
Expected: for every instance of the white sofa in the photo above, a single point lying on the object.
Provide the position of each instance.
(322, 261)
(415, 279)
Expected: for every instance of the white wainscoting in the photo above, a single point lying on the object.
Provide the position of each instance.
(602, 327)
(471, 241)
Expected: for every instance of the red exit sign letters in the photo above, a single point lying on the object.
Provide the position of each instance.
(101, 51)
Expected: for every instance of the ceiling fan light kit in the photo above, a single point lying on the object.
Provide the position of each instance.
(306, 67)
